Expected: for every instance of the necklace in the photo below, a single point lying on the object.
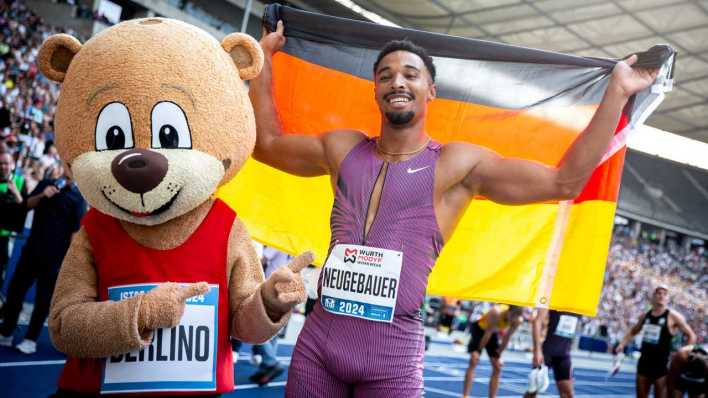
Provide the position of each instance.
(378, 148)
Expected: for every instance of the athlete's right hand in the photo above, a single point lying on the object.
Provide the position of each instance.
(163, 306)
(272, 42)
(537, 359)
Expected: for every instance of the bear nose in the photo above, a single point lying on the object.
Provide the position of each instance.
(139, 170)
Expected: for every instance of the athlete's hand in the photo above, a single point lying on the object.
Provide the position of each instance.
(272, 42)
(163, 306)
(619, 348)
(285, 288)
(537, 359)
(627, 81)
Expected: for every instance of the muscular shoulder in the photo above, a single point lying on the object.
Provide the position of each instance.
(676, 316)
(457, 160)
(338, 143)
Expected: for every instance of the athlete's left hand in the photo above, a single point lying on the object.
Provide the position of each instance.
(627, 81)
(285, 288)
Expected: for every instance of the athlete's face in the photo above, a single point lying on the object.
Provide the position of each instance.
(660, 297)
(403, 87)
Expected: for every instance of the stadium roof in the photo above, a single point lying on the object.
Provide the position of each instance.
(599, 28)
(665, 193)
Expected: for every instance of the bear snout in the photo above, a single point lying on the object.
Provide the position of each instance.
(139, 170)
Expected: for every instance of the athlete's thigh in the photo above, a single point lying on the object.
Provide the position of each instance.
(493, 346)
(660, 390)
(308, 374)
(643, 385)
(562, 368)
(405, 386)
(309, 378)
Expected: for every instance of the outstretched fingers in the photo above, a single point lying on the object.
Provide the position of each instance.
(195, 289)
(301, 261)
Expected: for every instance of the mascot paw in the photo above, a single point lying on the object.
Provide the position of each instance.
(285, 288)
(163, 306)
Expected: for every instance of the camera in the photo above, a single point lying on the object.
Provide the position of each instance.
(60, 183)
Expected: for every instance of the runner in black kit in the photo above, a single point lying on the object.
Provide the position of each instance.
(559, 328)
(658, 326)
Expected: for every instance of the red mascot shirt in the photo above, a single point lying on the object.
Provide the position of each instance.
(193, 357)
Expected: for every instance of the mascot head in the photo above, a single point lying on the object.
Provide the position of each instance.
(153, 114)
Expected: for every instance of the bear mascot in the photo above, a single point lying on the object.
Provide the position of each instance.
(152, 118)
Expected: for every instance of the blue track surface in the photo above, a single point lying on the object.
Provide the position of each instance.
(36, 376)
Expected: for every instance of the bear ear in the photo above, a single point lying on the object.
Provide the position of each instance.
(246, 54)
(56, 54)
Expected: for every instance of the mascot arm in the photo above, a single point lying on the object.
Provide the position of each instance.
(82, 326)
(250, 322)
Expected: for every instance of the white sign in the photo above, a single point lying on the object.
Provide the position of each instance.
(566, 326)
(651, 333)
(362, 282)
(181, 358)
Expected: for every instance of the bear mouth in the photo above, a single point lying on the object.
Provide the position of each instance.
(155, 212)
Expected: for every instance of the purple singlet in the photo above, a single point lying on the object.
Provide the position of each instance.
(341, 356)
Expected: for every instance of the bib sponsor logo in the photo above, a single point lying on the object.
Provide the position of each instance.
(350, 255)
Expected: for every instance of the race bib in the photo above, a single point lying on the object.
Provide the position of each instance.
(182, 358)
(362, 282)
(651, 333)
(566, 326)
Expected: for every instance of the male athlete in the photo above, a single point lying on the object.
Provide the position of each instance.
(398, 198)
(658, 327)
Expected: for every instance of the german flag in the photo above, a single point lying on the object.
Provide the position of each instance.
(520, 102)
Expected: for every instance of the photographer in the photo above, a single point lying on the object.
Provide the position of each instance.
(58, 208)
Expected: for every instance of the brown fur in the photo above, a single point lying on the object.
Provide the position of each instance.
(139, 64)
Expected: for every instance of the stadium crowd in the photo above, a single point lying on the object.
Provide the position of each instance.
(27, 99)
(634, 268)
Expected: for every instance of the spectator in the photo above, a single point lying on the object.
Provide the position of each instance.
(269, 367)
(58, 207)
(12, 192)
(264, 355)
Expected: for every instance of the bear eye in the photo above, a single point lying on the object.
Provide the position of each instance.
(113, 128)
(169, 127)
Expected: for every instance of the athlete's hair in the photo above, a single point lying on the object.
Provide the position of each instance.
(409, 46)
(516, 309)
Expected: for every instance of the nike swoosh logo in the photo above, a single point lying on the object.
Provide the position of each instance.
(411, 171)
